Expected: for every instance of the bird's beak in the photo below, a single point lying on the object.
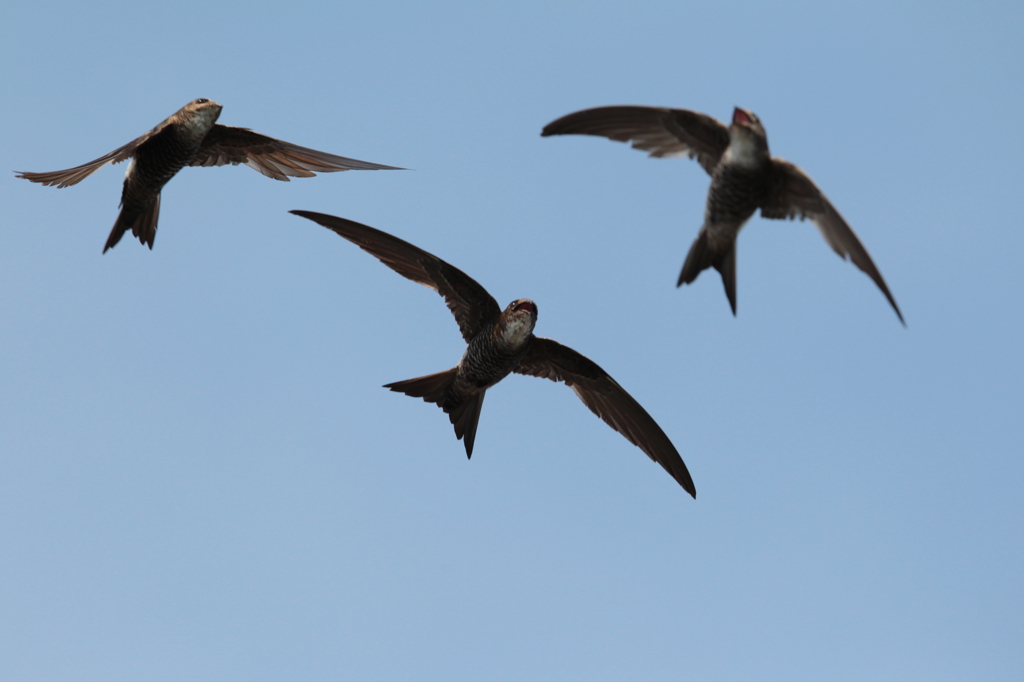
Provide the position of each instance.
(739, 117)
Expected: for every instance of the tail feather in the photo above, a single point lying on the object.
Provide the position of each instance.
(702, 256)
(463, 411)
(726, 267)
(143, 225)
(699, 259)
(465, 416)
(120, 227)
(433, 388)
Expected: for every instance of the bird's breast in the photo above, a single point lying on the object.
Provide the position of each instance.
(158, 159)
(486, 362)
(744, 150)
(735, 193)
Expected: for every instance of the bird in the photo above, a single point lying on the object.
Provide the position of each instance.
(500, 342)
(744, 178)
(192, 137)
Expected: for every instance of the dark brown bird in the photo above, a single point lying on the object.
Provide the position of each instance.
(191, 137)
(501, 342)
(744, 178)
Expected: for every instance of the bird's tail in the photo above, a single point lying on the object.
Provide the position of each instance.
(702, 257)
(465, 416)
(142, 225)
(433, 388)
(463, 411)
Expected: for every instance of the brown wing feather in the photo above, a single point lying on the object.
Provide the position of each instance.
(73, 176)
(549, 359)
(658, 130)
(274, 158)
(472, 306)
(793, 194)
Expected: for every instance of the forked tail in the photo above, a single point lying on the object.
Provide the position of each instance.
(462, 410)
(142, 225)
(702, 257)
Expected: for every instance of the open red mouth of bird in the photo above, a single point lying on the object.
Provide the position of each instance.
(525, 305)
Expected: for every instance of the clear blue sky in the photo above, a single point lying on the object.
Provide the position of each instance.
(201, 477)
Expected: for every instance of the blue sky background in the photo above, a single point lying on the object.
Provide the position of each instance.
(201, 477)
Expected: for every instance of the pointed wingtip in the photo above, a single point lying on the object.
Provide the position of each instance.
(308, 215)
(897, 309)
(684, 479)
(888, 296)
(548, 130)
(28, 175)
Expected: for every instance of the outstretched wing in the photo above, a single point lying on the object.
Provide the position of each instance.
(549, 359)
(73, 176)
(472, 306)
(274, 158)
(660, 131)
(791, 194)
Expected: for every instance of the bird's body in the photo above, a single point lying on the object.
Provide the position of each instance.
(172, 145)
(491, 355)
(192, 137)
(735, 193)
(744, 179)
(497, 349)
(501, 342)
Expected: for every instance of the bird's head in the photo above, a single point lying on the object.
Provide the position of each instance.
(517, 321)
(200, 114)
(747, 139)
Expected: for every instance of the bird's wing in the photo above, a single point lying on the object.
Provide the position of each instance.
(473, 307)
(73, 176)
(274, 158)
(549, 359)
(792, 194)
(660, 131)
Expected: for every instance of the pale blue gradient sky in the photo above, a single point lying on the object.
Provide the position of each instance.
(201, 477)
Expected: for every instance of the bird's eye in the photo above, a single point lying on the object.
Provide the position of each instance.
(202, 100)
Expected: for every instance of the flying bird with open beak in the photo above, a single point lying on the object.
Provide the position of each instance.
(192, 137)
(500, 342)
(744, 178)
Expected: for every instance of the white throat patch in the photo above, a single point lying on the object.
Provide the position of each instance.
(517, 330)
(743, 151)
(201, 122)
